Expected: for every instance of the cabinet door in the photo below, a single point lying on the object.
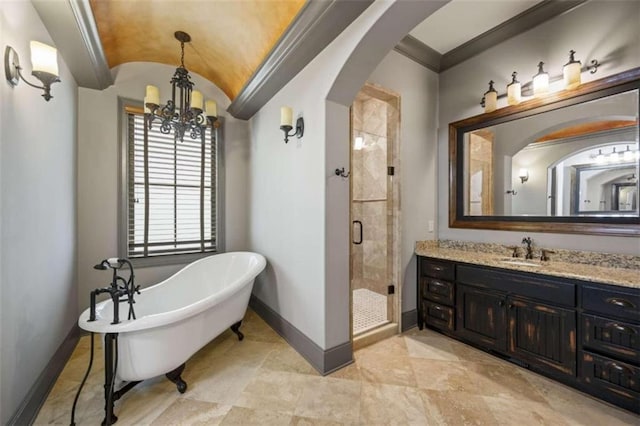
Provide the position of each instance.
(482, 317)
(543, 335)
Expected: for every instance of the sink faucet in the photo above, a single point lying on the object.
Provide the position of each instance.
(528, 241)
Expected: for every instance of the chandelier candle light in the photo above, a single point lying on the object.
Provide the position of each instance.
(187, 112)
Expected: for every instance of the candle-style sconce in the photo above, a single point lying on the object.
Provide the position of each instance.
(286, 124)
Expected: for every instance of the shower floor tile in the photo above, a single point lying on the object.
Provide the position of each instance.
(369, 310)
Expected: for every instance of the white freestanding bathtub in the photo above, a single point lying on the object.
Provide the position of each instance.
(180, 315)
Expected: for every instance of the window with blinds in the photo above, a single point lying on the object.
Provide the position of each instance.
(171, 191)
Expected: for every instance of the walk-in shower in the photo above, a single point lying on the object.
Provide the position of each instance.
(375, 122)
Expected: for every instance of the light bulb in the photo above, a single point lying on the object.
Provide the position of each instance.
(600, 157)
(628, 155)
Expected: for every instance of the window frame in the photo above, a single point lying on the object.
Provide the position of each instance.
(123, 195)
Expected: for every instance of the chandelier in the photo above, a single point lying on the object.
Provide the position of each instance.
(186, 113)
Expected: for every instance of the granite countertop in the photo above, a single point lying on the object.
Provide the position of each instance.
(626, 277)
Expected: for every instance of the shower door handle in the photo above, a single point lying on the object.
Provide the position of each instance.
(360, 240)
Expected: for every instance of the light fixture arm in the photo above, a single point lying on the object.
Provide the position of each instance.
(13, 74)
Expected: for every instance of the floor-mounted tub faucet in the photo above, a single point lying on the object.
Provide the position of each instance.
(116, 290)
(528, 241)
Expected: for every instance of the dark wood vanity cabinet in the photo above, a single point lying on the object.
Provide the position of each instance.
(436, 296)
(584, 334)
(610, 349)
(543, 335)
(520, 316)
(482, 317)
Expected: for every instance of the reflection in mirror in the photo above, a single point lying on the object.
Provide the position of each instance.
(581, 160)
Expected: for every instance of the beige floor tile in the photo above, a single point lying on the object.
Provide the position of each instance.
(456, 408)
(288, 359)
(307, 421)
(275, 390)
(504, 380)
(390, 405)
(350, 372)
(391, 370)
(393, 346)
(330, 399)
(239, 416)
(189, 412)
(222, 381)
(508, 411)
(430, 348)
(443, 375)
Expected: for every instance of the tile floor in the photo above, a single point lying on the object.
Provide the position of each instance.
(369, 310)
(418, 378)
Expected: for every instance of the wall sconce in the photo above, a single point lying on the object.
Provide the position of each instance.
(490, 99)
(523, 174)
(44, 62)
(514, 90)
(540, 81)
(286, 124)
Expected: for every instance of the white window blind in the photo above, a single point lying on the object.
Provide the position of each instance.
(171, 191)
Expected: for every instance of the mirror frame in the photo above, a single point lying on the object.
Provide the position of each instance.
(613, 226)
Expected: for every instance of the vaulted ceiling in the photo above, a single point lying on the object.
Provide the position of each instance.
(229, 39)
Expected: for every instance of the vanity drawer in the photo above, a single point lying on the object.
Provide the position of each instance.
(437, 269)
(616, 381)
(618, 303)
(611, 337)
(438, 316)
(549, 289)
(438, 290)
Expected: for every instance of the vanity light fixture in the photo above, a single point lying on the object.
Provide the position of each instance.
(286, 124)
(490, 98)
(540, 85)
(44, 63)
(600, 157)
(514, 90)
(540, 81)
(571, 72)
(523, 174)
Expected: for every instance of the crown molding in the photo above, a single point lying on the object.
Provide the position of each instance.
(424, 55)
(315, 26)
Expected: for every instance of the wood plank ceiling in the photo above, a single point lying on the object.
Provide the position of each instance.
(229, 38)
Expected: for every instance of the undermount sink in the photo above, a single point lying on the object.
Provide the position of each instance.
(520, 262)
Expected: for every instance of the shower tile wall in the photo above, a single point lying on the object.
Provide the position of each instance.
(369, 194)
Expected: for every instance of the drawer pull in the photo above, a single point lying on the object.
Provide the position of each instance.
(436, 268)
(438, 284)
(620, 328)
(437, 308)
(623, 303)
(619, 368)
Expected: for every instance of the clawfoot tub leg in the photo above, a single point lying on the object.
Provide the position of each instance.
(236, 329)
(174, 376)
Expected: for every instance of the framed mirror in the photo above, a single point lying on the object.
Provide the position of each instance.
(567, 162)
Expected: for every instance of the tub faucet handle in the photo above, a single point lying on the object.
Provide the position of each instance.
(544, 255)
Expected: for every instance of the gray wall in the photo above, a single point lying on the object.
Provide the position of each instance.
(603, 30)
(98, 150)
(38, 214)
(418, 90)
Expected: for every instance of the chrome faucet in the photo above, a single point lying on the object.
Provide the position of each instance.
(528, 241)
